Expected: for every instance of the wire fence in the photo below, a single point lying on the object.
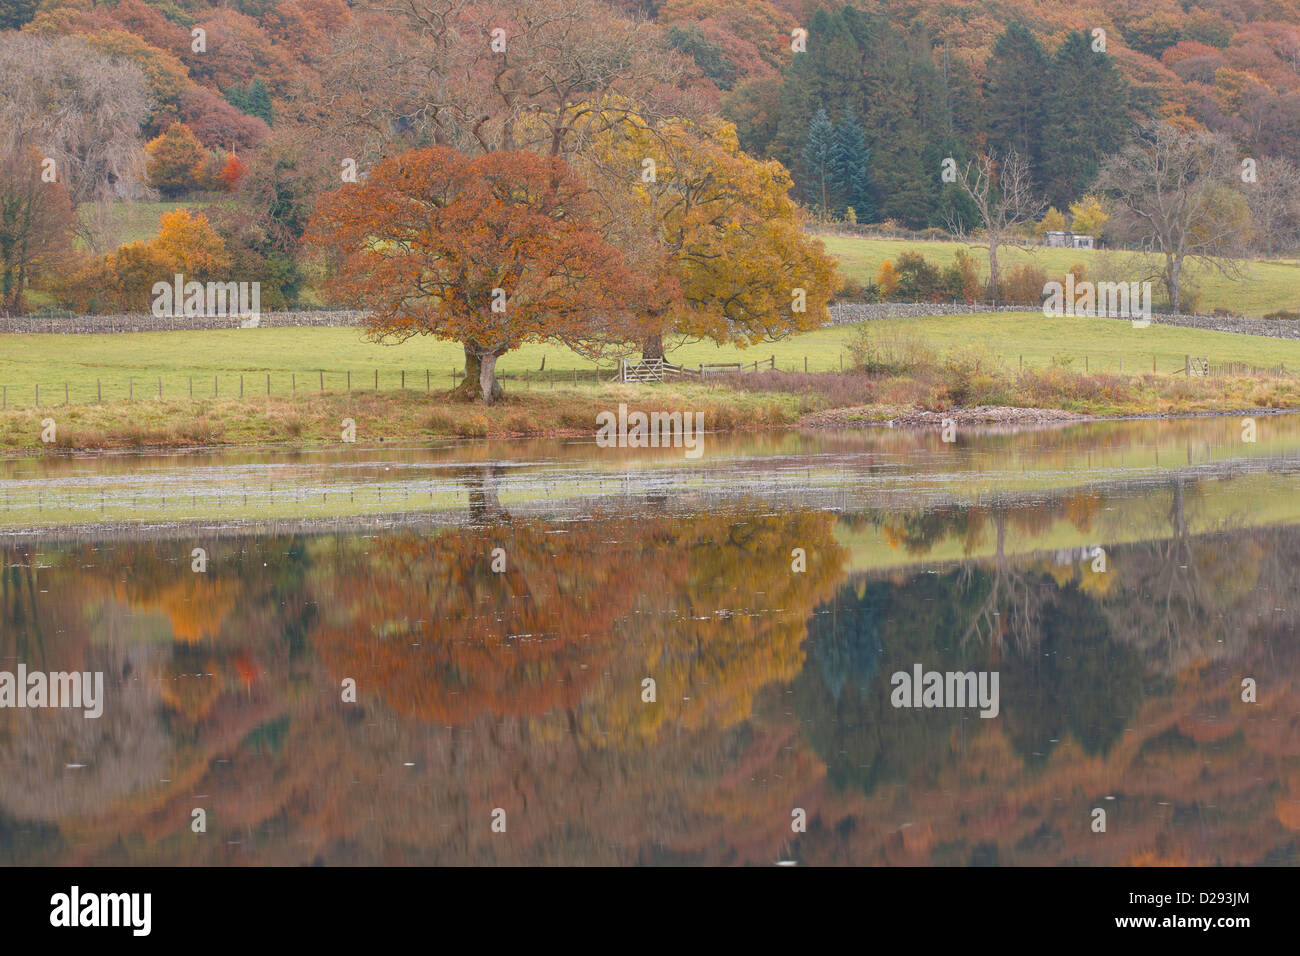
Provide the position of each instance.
(279, 384)
(252, 385)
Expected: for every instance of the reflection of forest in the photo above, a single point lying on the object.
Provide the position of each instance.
(523, 690)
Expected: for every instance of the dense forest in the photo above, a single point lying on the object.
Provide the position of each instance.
(250, 110)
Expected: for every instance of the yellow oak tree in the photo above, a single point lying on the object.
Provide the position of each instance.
(719, 226)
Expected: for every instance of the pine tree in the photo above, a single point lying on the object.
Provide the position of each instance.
(1087, 117)
(15, 13)
(850, 169)
(1016, 95)
(253, 99)
(816, 159)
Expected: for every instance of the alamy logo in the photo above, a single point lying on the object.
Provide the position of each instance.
(103, 909)
(1122, 300)
(75, 689)
(948, 689)
(653, 430)
(194, 299)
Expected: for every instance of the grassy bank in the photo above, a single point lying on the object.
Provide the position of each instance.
(316, 419)
(1088, 366)
(758, 401)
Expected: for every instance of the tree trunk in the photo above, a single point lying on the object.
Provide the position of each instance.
(1172, 283)
(652, 347)
(489, 388)
(468, 390)
(993, 271)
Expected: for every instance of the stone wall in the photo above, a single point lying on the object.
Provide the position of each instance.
(146, 322)
(844, 313)
(849, 312)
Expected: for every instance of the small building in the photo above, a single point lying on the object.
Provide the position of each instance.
(1069, 240)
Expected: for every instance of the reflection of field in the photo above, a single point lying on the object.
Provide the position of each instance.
(838, 469)
(1072, 523)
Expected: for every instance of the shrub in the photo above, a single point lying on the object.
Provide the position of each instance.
(887, 279)
(919, 279)
(972, 373)
(888, 349)
(961, 280)
(1022, 285)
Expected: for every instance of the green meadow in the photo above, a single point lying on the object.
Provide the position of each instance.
(1264, 287)
(131, 364)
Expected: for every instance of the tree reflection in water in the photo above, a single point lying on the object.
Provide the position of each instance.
(524, 690)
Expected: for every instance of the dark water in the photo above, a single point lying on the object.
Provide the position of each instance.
(1121, 580)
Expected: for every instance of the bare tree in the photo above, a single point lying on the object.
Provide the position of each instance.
(80, 108)
(525, 74)
(36, 226)
(1005, 198)
(1174, 194)
(1274, 199)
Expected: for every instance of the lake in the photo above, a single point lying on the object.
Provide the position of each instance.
(550, 652)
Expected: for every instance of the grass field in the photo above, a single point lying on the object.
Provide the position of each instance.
(50, 361)
(1266, 287)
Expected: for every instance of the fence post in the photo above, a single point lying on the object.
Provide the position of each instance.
(805, 364)
(214, 386)
(99, 390)
(1187, 365)
(268, 384)
(130, 388)
(349, 381)
(426, 381)
(160, 388)
(293, 384)
(403, 380)
(1153, 363)
(65, 393)
(322, 380)
(376, 380)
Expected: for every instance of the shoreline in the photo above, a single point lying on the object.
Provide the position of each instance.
(979, 418)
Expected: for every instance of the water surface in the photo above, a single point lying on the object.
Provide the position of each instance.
(1122, 579)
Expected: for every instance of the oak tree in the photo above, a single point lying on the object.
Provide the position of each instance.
(492, 251)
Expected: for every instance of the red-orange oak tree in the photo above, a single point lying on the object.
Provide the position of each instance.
(491, 251)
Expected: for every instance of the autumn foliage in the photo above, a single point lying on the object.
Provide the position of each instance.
(491, 251)
(175, 159)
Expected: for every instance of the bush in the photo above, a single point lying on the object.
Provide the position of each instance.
(888, 349)
(961, 280)
(972, 373)
(1022, 285)
(919, 279)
